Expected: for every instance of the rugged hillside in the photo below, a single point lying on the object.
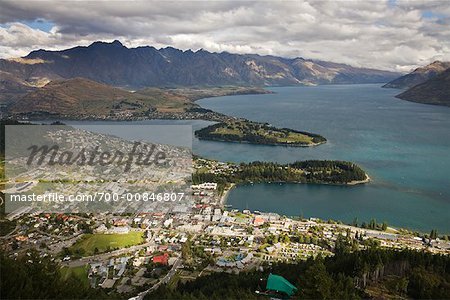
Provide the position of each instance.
(434, 91)
(83, 97)
(117, 65)
(419, 75)
(12, 87)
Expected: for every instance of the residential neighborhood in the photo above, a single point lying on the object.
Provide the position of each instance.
(132, 254)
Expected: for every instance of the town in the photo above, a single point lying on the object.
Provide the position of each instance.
(134, 253)
(131, 249)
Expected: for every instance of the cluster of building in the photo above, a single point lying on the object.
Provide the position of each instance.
(196, 237)
(215, 167)
(237, 261)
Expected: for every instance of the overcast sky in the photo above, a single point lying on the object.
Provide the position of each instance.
(392, 34)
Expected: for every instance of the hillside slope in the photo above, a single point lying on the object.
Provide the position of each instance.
(79, 96)
(419, 75)
(434, 91)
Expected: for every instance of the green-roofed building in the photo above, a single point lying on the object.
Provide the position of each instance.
(280, 285)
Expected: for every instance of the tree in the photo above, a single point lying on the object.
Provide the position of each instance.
(426, 285)
(372, 243)
(433, 234)
(186, 249)
(317, 282)
(372, 224)
(342, 276)
(344, 245)
(38, 277)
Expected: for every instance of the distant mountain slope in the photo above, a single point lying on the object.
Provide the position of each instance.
(12, 87)
(117, 65)
(83, 97)
(434, 91)
(419, 75)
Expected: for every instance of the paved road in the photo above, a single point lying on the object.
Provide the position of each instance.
(166, 279)
(103, 256)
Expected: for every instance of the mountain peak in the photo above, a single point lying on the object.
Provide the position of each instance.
(437, 65)
(115, 43)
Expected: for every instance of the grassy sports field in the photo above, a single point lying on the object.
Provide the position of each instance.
(106, 242)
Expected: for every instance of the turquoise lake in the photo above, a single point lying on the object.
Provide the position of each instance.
(403, 146)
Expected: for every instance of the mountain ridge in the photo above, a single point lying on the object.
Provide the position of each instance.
(434, 91)
(145, 66)
(419, 75)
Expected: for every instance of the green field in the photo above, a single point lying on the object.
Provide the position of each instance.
(106, 242)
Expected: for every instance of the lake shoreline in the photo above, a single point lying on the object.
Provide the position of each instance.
(392, 229)
(264, 144)
(372, 138)
(356, 182)
(196, 112)
(226, 192)
(224, 197)
(403, 190)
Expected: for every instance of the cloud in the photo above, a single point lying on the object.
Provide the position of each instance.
(390, 35)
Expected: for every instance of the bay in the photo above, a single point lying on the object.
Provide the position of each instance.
(403, 146)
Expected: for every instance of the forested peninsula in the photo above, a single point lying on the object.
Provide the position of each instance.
(245, 131)
(310, 171)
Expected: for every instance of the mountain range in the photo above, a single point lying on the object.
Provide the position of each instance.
(97, 78)
(134, 68)
(419, 75)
